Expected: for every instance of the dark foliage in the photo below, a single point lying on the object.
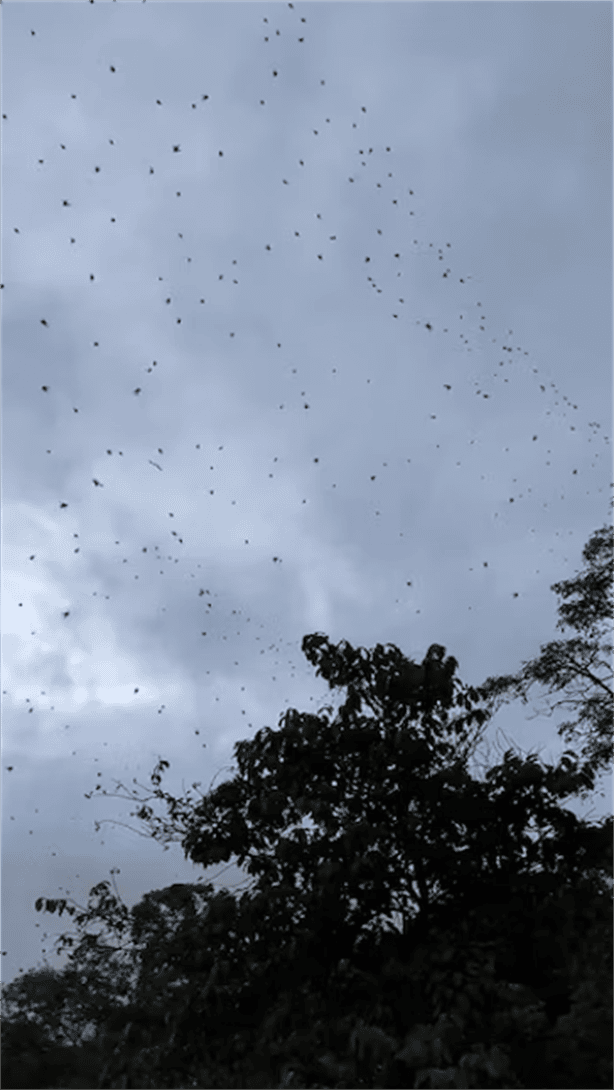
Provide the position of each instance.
(407, 924)
(580, 667)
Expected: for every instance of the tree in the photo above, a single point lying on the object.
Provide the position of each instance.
(47, 1037)
(407, 925)
(579, 667)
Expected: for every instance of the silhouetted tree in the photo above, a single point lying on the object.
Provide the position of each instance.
(49, 1022)
(580, 668)
(407, 925)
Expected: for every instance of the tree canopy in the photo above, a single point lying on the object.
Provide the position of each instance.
(406, 924)
(578, 669)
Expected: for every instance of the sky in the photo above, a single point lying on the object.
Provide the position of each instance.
(306, 327)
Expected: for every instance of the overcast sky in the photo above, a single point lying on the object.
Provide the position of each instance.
(306, 327)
